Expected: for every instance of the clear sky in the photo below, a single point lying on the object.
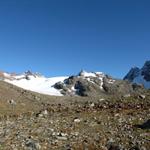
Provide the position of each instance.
(61, 37)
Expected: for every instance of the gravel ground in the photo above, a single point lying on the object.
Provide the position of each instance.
(86, 125)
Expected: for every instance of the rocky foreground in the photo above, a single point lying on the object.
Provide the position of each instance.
(79, 125)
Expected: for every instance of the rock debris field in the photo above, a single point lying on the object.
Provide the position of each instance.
(79, 125)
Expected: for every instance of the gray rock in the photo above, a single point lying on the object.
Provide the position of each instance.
(32, 145)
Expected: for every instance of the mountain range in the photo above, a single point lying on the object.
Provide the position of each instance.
(83, 84)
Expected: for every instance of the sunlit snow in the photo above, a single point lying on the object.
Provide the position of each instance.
(38, 84)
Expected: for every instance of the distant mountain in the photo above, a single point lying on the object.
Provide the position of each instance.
(140, 76)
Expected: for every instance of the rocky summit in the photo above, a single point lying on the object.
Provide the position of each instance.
(96, 84)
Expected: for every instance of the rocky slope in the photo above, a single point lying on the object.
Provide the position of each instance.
(30, 121)
(140, 76)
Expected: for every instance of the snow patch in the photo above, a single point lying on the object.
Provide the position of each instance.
(111, 81)
(6, 75)
(87, 74)
(99, 73)
(101, 83)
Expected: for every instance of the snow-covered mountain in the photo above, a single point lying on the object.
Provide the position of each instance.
(34, 82)
(73, 85)
(82, 84)
(140, 76)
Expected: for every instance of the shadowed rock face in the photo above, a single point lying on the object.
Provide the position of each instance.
(145, 71)
(82, 88)
(134, 72)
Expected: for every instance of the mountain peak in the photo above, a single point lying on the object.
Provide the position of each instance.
(133, 73)
(145, 71)
(140, 76)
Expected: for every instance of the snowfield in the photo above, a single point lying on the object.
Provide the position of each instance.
(38, 84)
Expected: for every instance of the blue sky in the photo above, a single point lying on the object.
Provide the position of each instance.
(61, 37)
